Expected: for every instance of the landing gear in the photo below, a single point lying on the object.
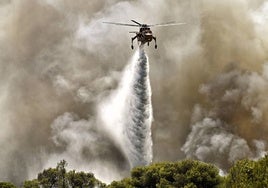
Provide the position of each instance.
(148, 43)
(155, 45)
(132, 47)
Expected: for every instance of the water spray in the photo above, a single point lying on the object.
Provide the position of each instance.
(127, 114)
(138, 128)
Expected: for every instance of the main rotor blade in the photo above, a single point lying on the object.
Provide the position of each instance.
(122, 24)
(166, 24)
(136, 22)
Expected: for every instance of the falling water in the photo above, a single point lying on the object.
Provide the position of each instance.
(127, 113)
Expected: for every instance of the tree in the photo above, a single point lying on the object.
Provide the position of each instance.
(61, 170)
(248, 173)
(7, 185)
(59, 178)
(82, 179)
(48, 178)
(31, 184)
(187, 173)
(54, 177)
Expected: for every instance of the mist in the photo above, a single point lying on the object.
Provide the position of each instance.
(59, 62)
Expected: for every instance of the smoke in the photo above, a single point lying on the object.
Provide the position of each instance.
(86, 148)
(228, 123)
(58, 63)
(232, 126)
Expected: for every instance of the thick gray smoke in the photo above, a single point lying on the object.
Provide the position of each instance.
(232, 125)
(127, 113)
(86, 147)
(58, 63)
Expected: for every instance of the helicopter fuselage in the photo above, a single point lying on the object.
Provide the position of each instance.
(145, 35)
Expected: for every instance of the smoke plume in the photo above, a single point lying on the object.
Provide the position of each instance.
(59, 63)
(232, 125)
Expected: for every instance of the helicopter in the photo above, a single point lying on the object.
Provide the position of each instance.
(145, 34)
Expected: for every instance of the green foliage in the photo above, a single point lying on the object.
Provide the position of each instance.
(31, 184)
(48, 178)
(6, 185)
(59, 178)
(248, 173)
(186, 173)
(82, 179)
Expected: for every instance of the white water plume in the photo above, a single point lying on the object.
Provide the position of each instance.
(127, 113)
